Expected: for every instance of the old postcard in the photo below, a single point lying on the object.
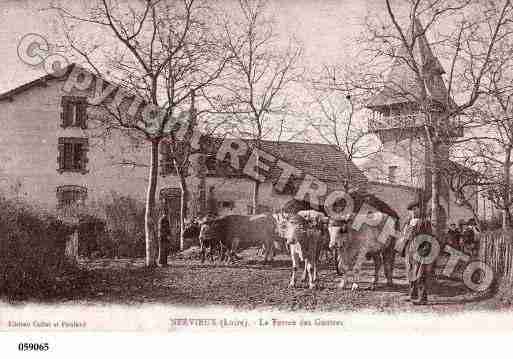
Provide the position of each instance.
(255, 166)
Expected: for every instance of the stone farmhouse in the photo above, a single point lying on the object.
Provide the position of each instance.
(53, 153)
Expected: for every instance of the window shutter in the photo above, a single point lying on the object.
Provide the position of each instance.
(60, 199)
(77, 161)
(82, 114)
(68, 156)
(66, 120)
(84, 148)
(60, 156)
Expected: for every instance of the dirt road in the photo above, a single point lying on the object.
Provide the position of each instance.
(251, 284)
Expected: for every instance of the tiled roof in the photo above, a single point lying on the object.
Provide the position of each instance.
(323, 161)
(401, 85)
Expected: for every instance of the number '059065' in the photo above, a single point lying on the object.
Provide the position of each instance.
(27, 347)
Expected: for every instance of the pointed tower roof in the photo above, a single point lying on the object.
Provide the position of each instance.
(401, 85)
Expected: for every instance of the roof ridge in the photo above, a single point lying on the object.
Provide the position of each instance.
(27, 85)
(295, 142)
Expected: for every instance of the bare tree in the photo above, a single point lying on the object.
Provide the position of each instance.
(495, 156)
(163, 52)
(466, 181)
(260, 73)
(468, 45)
(333, 116)
(495, 114)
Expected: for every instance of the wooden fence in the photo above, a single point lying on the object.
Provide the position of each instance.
(496, 250)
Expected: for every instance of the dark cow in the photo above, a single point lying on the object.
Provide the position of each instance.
(229, 234)
(354, 246)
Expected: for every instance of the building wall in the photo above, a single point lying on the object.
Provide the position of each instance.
(398, 197)
(240, 191)
(31, 126)
(407, 155)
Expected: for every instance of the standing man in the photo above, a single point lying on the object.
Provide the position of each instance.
(471, 238)
(164, 237)
(477, 237)
(418, 270)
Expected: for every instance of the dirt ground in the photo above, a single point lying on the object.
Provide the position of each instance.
(250, 284)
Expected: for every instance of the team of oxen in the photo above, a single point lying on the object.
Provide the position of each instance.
(304, 234)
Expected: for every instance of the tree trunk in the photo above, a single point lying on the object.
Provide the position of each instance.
(256, 186)
(183, 210)
(149, 216)
(435, 190)
(506, 220)
(256, 190)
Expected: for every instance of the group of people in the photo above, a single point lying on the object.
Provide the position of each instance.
(464, 237)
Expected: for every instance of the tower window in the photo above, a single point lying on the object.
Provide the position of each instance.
(392, 174)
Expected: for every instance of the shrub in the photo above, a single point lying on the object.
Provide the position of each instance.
(32, 249)
(124, 227)
(92, 232)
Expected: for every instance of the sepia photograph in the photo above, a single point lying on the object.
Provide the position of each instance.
(255, 165)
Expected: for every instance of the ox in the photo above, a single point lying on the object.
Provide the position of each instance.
(304, 241)
(354, 246)
(232, 233)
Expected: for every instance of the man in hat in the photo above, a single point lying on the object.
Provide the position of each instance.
(470, 238)
(418, 272)
(413, 219)
(164, 237)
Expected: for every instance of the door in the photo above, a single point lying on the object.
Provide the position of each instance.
(171, 198)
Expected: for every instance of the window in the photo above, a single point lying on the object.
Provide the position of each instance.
(72, 154)
(392, 173)
(211, 164)
(74, 112)
(70, 195)
(227, 204)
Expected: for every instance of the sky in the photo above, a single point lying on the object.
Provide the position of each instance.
(326, 28)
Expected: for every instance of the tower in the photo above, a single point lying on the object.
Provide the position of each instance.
(400, 122)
